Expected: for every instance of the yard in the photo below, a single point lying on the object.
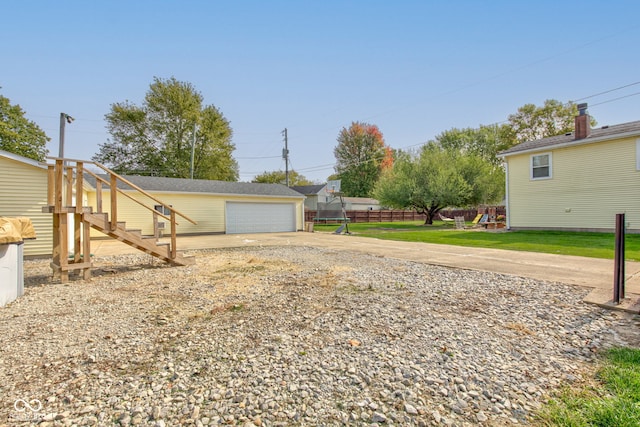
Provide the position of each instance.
(594, 245)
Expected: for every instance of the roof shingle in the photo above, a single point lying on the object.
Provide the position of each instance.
(180, 185)
(605, 132)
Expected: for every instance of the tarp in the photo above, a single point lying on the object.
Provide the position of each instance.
(15, 230)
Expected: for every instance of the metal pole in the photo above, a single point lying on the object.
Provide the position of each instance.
(193, 147)
(618, 267)
(63, 119)
(285, 155)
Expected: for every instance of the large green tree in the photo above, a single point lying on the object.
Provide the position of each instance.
(361, 155)
(533, 122)
(485, 142)
(159, 137)
(279, 177)
(19, 135)
(436, 178)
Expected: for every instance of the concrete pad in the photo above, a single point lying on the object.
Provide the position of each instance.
(588, 272)
(604, 298)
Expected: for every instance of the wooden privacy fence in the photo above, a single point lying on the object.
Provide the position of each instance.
(391, 215)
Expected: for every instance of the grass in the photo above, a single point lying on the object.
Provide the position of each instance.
(594, 245)
(615, 401)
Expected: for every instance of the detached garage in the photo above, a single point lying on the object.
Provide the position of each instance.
(217, 206)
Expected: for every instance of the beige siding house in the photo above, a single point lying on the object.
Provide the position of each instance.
(577, 181)
(316, 195)
(23, 192)
(216, 206)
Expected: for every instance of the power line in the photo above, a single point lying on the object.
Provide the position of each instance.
(615, 99)
(257, 158)
(606, 91)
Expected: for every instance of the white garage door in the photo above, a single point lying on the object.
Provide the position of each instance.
(260, 217)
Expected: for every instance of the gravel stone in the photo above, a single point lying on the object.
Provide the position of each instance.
(277, 336)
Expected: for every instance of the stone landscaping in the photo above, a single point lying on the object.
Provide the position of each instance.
(280, 336)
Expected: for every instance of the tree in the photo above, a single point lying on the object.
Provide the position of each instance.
(19, 135)
(435, 178)
(361, 156)
(485, 142)
(157, 138)
(278, 177)
(553, 118)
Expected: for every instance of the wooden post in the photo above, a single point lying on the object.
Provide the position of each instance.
(68, 186)
(86, 250)
(64, 247)
(99, 196)
(77, 242)
(59, 171)
(173, 234)
(51, 176)
(113, 192)
(56, 245)
(79, 185)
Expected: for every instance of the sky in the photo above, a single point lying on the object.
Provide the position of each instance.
(413, 68)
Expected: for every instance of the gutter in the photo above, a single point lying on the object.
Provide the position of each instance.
(571, 143)
(506, 202)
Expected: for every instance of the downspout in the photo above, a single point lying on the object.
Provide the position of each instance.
(506, 192)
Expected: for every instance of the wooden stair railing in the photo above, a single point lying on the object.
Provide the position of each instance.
(64, 198)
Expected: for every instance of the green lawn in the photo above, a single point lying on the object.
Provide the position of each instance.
(595, 245)
(614, 401)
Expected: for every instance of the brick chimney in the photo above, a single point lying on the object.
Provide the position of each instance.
(583, 122)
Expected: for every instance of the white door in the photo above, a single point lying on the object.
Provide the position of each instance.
(260, 217)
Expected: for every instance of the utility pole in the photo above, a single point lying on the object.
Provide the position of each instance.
(285, 156)
(64, 118)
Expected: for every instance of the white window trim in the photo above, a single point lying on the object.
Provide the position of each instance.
(550, 166)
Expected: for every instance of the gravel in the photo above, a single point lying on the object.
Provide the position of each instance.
(280, 336)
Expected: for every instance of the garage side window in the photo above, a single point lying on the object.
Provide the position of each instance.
(163, 209)
(541, 166)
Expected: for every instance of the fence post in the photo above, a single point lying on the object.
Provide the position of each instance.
(618, 268)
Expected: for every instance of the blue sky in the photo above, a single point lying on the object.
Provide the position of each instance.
(413, 68)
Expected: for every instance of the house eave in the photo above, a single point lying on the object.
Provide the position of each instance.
(572, 143)
(192, 193)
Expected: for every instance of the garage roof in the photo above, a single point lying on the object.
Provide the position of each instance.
(181, 185)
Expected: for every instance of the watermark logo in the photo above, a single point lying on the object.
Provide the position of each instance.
(27, 411)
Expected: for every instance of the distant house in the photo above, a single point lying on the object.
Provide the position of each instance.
(319, 199)
(315, 194)
(23, 192)
(361, 204)
(576, 181)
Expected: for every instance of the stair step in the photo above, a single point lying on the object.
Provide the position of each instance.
(134, 238)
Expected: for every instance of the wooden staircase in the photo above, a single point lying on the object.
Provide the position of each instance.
(66, 184)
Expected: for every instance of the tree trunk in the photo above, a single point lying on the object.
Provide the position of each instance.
(431, 213)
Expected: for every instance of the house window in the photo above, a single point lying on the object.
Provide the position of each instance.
(541, 166)
(163, 209)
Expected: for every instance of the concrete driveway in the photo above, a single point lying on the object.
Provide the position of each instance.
(588, 272)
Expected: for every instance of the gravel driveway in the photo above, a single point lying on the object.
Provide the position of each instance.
(279, 336)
